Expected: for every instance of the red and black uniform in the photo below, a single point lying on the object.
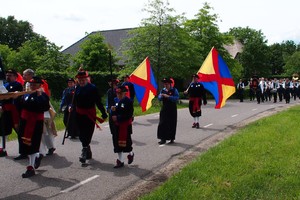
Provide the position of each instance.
(197, 94)
(32, 121)
(85, 100)
(168, 115)
(122, 136)
(10, 116)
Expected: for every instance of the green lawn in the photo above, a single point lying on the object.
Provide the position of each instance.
(261, 161)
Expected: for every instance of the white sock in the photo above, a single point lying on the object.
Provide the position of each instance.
(120, 154)
(131, 153)
(197, 119)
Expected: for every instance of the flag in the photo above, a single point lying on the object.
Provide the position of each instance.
(216, 78)
(144, 84)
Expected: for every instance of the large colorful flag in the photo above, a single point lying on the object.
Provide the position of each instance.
(144, 84)
(216, 78)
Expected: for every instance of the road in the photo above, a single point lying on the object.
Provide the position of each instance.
(61, 175)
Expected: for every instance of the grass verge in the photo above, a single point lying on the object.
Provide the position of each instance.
(261, 161)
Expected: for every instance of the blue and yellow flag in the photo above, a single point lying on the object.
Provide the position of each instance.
(216, 78)
(144, 84)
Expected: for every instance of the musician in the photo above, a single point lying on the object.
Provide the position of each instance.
(197, 94)
(85, 99)
(287, 90)
(122, 114)
(33, 107)
(69, 117)
(9, 113)
(168, 114)
(280, 89)
(240, 90)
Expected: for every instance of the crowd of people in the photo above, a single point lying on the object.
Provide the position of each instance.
(32, 116)
(272, 89)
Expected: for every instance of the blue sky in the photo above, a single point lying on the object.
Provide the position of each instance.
(66, 21)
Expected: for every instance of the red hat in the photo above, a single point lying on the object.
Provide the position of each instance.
(82, 74)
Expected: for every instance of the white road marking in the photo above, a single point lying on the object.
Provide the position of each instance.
(208, 125)
(254, 109)
(234, 115)
(79, 184)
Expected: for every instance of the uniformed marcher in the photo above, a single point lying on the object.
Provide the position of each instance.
(129, 86)
(86, 99)
(197, 95)
(33, 107)
(9, 113)
(111, 95)
(240, 90)
(69, 117)
(168, 114)
(122, 115)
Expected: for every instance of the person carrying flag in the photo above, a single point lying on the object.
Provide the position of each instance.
(86, 97)
(197, 94)
(9, 113)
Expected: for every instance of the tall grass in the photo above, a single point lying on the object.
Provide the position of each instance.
(262, 161)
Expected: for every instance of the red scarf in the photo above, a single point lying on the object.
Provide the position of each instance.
(31, 119)
(123, 131)
(91, 114)
(195, 100)
(14, 112)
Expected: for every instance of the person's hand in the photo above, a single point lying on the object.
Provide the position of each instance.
(114, 118)
(104, 116)
(70, 109)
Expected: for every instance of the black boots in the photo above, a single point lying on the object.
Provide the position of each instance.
(86, 154)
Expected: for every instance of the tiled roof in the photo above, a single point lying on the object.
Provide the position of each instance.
(112, 37)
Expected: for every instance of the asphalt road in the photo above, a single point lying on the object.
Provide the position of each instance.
(61, 175)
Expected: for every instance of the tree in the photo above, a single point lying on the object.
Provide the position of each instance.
(94, 54)
(293, 64)
(38, 54)
(14, 33)
(206, 34)
(162, 38)
(255, 55)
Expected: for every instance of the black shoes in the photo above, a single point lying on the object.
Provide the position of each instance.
(130, 158)
(50, 151)
(171, 142)
(196, 125)
(83, 157)
(29, 172)
(119, 164)
(37, 162)
(3, 153)
(162, 142)
(89, 153)
(20, 157)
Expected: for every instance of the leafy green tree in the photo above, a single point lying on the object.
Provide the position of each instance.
(94, 54)
(14, 33)
(39, 54)
(162, 38)
(205, 32)
(255, 55)
(293, 64)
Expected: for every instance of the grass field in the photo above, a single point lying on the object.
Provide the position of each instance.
(261, 161)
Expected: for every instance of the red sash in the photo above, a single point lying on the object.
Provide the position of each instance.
(31, 119)
(123, 131)
(14, 112)
(195, 100)
(91, 114)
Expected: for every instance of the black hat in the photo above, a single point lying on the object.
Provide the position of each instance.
(121, 88)
(71, 79)
(126, 76)
(195, 76)
(167, 80)
(12, 71)
(115, 81)
(36, 79)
